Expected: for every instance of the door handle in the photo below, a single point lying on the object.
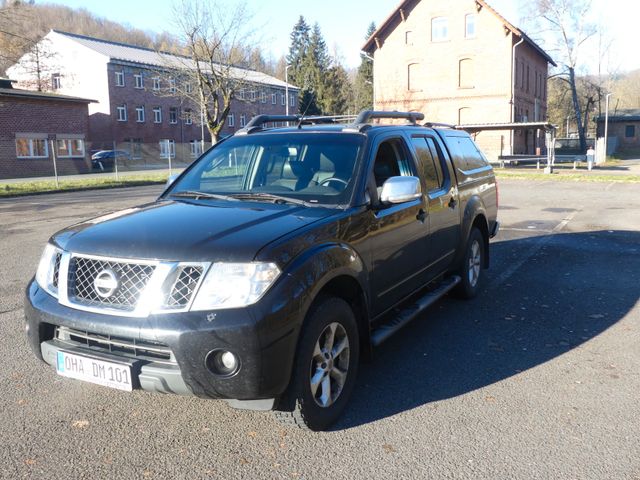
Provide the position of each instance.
(422, 215)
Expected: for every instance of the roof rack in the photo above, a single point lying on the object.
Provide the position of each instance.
(367, 115)
(437, 124)
(258, 121)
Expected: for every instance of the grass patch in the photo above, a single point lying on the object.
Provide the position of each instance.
(568, 176)
(49, 186)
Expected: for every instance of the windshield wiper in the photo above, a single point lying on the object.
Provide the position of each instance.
(270, 196)
(197, 195)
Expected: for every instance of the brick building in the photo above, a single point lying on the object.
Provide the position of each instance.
(137, 96)
(32, 124)
(623, 130)
(461, 63)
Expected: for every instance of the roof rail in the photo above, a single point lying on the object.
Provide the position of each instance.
(258, 121)
(366, 115)
(437, 124)
(327, 119)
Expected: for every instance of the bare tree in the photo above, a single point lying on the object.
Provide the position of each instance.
(216, 40)
(565, 23)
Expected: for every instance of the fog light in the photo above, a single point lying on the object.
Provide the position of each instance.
(222, 362)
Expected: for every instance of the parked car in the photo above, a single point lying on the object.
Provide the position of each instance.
(270, 266)
(103, 160)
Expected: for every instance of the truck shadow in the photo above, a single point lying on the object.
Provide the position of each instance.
(574, 287)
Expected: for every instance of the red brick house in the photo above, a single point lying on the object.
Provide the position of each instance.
(462, 63)
(36, 125)
(137, 99)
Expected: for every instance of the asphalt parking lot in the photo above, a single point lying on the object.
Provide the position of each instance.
(538, 378)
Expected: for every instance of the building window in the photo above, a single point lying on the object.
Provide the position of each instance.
(173, 115)
(630, 131)
(56, 83)
(188, 117)
(263, 97)
(465, 73)
(167, 148)
(470, 25)
(157, 115)
(464, 115)
(195, 148)
(122, 113)
(135, 147)
(156, 83)
(172, 85)
(292, 100)
(439, 29)
(188, 88)
(241, 94)
(140, 114)
(137, 79)
(408, 37)
(528, 75)
(274, 99)
(243, 120)
(231, 119)
(252, 95)
(68, 147)
(282, 99)
(412, 77)
(119, 78)
(32, 147)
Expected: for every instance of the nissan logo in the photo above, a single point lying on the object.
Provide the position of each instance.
(106, 283)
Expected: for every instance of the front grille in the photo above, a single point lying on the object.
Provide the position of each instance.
(184, 287)
(131, 280)
(115, 345)
(56, 269)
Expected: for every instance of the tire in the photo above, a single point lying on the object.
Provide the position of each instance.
(323, 378)
(472, 268)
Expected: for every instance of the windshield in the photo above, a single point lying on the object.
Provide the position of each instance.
(313, 167)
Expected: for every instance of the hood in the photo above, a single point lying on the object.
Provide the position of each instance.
(188, 230)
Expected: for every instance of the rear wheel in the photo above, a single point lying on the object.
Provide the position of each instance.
(325, 368)
(472, 269)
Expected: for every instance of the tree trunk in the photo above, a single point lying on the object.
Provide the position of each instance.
(576, 108)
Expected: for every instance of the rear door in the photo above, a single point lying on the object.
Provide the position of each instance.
(442, 198)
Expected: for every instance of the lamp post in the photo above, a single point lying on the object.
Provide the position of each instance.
(286, 88)
(369, 57)
(606, 126)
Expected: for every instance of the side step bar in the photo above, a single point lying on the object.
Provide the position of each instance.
(404, 316)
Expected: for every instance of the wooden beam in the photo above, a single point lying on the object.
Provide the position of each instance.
(402, 15)
(378, 42)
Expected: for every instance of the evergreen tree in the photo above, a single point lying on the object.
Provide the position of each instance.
(298, 51)
(364, 79)
(336, 92)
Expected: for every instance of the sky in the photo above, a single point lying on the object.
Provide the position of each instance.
(344, 22)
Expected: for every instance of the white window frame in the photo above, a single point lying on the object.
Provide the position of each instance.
(119, 78)
(274, 99)
(138, 81)
(121, 109)
(31, 149)
(163, 148)
(195, 148)
(188, 117)
(439, 29)
(283, 100)
(173, 119)
(157, 115)
(243, 120)
(472, 24)
(70, 154)
(172, 85)
(241, 94)
(263, 97)
(292, 100)
(188, 88)
(231, 120)
(140, 114)
(156, 83)
(56, 81)
(252, 95)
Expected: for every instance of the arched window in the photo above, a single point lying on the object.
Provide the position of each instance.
(465, 77)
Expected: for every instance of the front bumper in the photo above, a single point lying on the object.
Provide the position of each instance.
(262, 336)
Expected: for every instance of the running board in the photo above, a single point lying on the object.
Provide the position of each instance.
(407, 314)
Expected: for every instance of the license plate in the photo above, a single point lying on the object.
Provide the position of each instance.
(114, 375)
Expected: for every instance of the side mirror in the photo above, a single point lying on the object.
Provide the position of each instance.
(400, 190)
(171, 179)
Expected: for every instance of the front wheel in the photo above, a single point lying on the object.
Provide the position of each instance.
(472, 269)
(326, 366)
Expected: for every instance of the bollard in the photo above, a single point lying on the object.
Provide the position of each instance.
(591, 154)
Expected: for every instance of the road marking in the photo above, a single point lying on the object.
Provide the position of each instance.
(538, 244)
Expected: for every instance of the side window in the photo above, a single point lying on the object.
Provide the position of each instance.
(391, 160)
(431, 168)
(472, 156)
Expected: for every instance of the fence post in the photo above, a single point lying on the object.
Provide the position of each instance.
(55, 166)
(115, 160)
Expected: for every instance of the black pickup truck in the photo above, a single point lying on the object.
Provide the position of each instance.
(271, 265)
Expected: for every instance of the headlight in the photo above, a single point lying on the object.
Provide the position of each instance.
(48, 269)
(231, 285)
